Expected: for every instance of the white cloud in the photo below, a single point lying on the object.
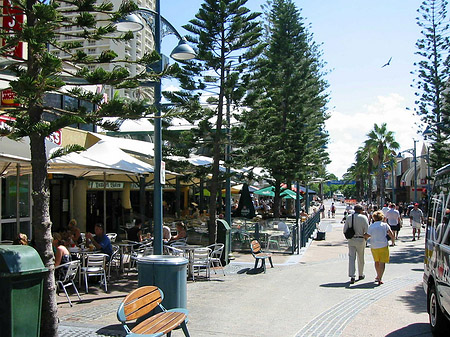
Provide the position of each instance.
(349, 131)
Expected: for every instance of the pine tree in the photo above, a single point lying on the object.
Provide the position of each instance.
(433, 78)
(283, 130)
(223, 31)
(40, 72)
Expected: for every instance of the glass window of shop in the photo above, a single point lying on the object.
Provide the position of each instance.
(9, 206)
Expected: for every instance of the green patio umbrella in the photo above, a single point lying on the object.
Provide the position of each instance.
(266, 191)
(270, 192)
(289, 194)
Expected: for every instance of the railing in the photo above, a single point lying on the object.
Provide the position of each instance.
(307, 228)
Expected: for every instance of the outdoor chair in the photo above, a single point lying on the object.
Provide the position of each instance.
(143, 250)
(201, 260)
(215, 257)
(95, 266)
(112, 236)
(169, 250)
(144, 301)
(114, 261)
(258, 254)
(67, 280)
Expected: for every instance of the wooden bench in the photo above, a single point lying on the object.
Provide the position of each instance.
(139, 303)
(258, 254)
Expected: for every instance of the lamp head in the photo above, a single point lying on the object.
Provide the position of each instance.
(399, 156)
(183, 51)
(131, 22)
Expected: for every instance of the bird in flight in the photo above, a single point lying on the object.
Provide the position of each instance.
(386, 64)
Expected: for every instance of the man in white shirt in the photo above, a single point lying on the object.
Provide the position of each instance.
(392, 217)
(357, 244)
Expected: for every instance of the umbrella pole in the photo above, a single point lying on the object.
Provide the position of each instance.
(104, 201)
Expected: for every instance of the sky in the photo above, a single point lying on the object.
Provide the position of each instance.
(357, 38)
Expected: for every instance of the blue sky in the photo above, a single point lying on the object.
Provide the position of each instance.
(357, 38)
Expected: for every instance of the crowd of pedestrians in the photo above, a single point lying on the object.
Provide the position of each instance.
(377, 227)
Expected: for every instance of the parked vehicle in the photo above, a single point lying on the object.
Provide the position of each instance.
(339, 197)
(436, 277)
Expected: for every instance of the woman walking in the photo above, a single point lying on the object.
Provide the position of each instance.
(377, 233)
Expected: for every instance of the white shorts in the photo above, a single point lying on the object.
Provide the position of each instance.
(416, 224)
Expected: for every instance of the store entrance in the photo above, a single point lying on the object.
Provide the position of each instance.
(116, 216)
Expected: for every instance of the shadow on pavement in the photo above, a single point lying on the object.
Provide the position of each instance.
(409, 255)
(112, 330)
(251, 271)
(416, 299)
(336, 285)
(365, 285)
(416, 330)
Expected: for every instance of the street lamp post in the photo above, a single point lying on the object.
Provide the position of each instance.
(413, 152)
(182, 52)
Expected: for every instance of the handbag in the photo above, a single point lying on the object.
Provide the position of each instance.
(350, 232)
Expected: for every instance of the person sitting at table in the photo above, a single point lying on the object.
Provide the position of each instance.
(181, 232)
(135, 232)
(100, 240)
(62, 255)
(75, 232)
(21, 239)
(282, 226)
(166, 234)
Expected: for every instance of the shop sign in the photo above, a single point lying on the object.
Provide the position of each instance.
(163, 172)
(135, 186)
(12, 21)
(110, 185)
(55, 137)
(8, 98)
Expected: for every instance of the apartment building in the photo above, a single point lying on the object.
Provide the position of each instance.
(132, 50)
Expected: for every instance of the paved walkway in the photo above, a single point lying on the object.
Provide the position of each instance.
(304, 295)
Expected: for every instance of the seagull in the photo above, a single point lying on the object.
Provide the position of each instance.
(386, 64)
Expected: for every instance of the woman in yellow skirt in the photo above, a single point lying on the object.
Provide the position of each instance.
(378, 232)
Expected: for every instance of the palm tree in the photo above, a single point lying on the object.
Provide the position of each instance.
(384, 142)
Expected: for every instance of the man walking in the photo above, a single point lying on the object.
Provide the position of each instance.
(416, 217)
(357, 243)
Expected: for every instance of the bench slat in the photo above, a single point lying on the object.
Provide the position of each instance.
(141, 301)
(162, 322)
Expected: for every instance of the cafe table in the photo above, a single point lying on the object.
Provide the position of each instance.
(189, 254)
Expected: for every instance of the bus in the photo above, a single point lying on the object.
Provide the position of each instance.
(436, 276)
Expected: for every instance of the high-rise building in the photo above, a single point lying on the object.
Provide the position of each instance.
(131, 50)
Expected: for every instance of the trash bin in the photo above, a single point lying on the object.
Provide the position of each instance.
(168, 273)
(21, 285)
(224, 236)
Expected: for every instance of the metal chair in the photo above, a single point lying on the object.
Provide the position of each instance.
(114, 261)
(216, 254)
(95, 266)
(201, 260)
(112, 236)
(169, 250)
(70, 273)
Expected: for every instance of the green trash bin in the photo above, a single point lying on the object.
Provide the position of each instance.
(21, 285)
(168, 273)
(224, 236)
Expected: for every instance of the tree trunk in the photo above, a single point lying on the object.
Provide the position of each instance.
(43, 234)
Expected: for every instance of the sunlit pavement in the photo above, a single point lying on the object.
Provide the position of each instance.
(304, 295)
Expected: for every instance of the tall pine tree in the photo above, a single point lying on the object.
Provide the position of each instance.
(283, 130)
(433, 77)
(223, 31)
